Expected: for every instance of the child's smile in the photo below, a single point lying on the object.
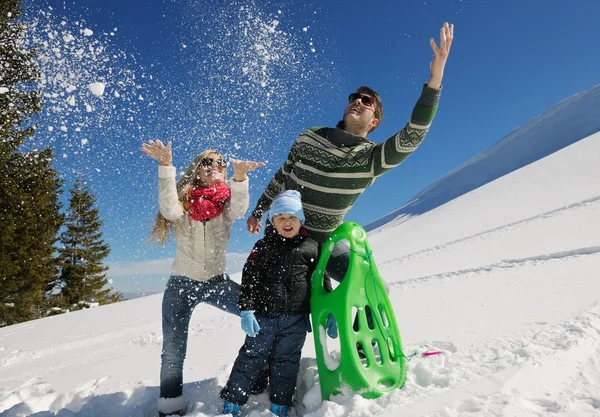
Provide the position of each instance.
(287, 225)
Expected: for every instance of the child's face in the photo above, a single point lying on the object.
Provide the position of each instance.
(287, 225)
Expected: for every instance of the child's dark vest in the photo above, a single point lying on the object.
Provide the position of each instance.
(280, 282)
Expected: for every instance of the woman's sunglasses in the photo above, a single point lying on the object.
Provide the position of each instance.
(208, 162)
(367, 101)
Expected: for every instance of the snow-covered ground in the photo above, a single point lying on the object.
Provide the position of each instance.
(503, 279)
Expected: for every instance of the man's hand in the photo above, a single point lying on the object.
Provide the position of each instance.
(440, 55)
(158, 151)
(253, 225)
(241, 168)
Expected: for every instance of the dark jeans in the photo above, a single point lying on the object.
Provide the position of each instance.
(338, 261)
(181, 296)
(279, 342)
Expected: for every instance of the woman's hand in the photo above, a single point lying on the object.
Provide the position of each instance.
(241, 168)
(157, 150)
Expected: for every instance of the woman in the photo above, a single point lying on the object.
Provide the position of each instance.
(199, 210)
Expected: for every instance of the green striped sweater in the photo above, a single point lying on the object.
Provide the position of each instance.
(331, 168)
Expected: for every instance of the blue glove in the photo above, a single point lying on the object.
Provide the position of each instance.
(331, 327)
(249, 323)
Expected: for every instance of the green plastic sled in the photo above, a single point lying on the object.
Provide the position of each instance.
(382, 367)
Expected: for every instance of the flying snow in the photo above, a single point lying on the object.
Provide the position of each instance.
(253, 68)
(97, 89)
(74, 63)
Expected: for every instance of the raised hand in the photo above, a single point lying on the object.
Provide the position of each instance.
(241, 168)
(157, 150)
(440, 55)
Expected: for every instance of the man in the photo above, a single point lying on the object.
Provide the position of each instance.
(332, 167)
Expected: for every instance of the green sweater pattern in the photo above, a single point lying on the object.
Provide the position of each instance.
(331, 178)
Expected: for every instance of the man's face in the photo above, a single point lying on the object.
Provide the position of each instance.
(359, 112)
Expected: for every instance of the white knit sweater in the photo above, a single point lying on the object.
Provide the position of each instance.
(201, 247)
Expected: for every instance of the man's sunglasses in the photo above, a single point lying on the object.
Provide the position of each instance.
(367, 101)
(208, 162)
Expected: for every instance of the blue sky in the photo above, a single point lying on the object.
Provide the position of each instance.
(246, 77)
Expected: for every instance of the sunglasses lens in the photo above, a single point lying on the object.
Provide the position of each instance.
(207, 162)
(365, 100)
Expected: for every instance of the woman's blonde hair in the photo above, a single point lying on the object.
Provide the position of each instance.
(163, 227)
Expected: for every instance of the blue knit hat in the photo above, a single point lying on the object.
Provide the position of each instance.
(287, 202)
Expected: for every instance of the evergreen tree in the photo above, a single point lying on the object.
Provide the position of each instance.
(29, 188)
(82, 274)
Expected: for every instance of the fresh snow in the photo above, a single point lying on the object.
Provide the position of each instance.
(502, 279)
(97, 89)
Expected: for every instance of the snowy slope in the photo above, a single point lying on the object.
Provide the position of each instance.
(503, 279)
(567, 122)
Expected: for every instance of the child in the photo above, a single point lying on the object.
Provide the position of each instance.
(275, 304)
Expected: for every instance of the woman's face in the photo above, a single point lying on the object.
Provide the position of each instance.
(211, 169)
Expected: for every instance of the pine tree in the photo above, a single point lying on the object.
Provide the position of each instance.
(29, 188)
(82, 273)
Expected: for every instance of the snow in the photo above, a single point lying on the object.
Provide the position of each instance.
(75, 51)
(72, 61)
(97, 88)
(331, 359)
(502, 279)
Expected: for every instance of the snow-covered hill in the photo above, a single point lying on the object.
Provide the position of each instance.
(567, 122)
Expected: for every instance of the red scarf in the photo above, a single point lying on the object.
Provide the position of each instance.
(205, 203)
